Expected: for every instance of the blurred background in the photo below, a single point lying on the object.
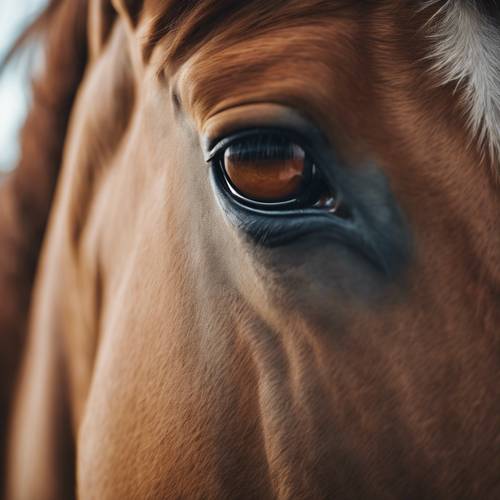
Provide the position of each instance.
(14, 81)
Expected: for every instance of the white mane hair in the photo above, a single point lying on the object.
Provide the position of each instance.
(466, 51)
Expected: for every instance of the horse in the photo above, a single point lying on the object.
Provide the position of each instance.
(252, 250)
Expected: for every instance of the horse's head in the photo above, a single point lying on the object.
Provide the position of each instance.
(274, 256)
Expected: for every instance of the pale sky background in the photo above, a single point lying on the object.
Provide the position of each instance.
(14, 95)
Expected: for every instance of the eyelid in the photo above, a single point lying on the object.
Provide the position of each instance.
(222, 144)
(261, 116)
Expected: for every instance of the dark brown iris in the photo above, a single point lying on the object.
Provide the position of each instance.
(267, 178)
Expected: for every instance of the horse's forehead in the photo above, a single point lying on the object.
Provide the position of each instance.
(293, 42)
(305, 67)
(315, 57)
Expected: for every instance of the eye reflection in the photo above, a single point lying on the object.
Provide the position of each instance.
(267, 169)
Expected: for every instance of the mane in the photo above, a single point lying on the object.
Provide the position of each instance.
(466, 51)
(191, 23)
(26, 193)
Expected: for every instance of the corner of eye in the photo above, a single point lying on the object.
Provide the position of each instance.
(207, 145)
(209, 136)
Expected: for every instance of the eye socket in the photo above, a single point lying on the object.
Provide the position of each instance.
(269, 170)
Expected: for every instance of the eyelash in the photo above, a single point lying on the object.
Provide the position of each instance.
(262, 146)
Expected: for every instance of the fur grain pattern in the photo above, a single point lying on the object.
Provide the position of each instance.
(177, 362)
(26, 193)
(466, 53)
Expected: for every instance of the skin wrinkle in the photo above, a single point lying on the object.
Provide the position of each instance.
(181, 359)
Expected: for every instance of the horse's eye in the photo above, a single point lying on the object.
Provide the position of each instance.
(268, 169)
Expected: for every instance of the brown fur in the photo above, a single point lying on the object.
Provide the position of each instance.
(26, 193)
(181, 361)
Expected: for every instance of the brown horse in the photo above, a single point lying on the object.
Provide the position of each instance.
(272, 262)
